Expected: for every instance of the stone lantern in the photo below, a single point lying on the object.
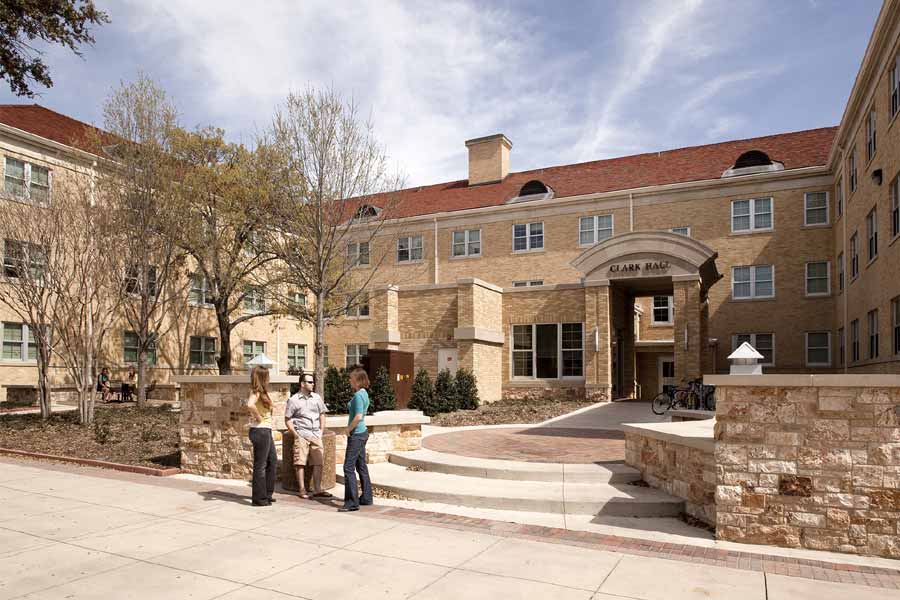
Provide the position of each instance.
(745, 360)
(262, 361)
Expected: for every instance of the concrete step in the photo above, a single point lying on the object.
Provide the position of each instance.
(604, 499)
(454, 464)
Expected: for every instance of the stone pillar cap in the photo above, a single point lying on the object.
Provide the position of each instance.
(745, 352)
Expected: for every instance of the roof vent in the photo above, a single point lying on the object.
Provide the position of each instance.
(533, 190)
(753, 161)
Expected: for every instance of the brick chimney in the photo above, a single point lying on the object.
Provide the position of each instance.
(488, 159)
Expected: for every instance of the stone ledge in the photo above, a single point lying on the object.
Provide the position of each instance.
(385, 417)
(243, 378)
(692, 434)
(839, 380)
(478, 334)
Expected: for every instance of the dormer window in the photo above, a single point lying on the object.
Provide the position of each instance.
(366, 212)
(753, 161)
(533, 190)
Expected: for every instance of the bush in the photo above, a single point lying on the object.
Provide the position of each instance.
(423, 394)
(337, 389)
(466, 390)
(382, 393)
(445, 392)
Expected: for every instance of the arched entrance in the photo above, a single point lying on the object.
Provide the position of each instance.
(643, 264)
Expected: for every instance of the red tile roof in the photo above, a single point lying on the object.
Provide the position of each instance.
(49, 124)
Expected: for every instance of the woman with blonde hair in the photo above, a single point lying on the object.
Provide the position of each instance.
(264, 458)
(357, 436)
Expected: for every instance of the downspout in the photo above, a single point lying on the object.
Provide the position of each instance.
(630, 211)
(846, 290)
(436, 255)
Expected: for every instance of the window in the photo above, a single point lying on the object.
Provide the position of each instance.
(529, 283)
(662, 310)
(548, 350)
(764, 343)
(872, 234)
(871, 138)
(358, 307)
(298, 298)
(203, 351)
(254, 300)
(18, 255)
(685, 231)
(17, 343)
(528, 236)
(851, 169)
(133, 281)
(409, 248)
(355, 352)
(296, 356)
(26, 180)
(895, 324)
(854, 340)
(751, 215)
(131, 346)
(895, 206)
(817, 278)
(594, 229)
(466, 243)
(839, 196)
(818, 349)
(872, 319)
(252, 349)
(325, 362)
(840, 263)
(895, 86)
(756, 281)
(816, 208)
(358, 253)
(841, 343)
(854, 255)
(200, 293)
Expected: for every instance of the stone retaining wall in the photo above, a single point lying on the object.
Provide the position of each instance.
(383, 439)
(809, 461)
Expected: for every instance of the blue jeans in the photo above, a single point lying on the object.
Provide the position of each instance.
(355, 461)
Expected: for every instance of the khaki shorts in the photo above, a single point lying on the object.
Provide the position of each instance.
(308, 452)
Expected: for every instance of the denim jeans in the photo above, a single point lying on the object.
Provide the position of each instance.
(265, 461)
(355, 461)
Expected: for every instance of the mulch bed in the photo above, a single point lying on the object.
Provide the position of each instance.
(509, 412)
(125, 435)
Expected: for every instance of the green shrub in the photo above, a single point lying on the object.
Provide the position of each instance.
(466, 390)
(382, 393)
(445, 392)
(422, 397)
(337, 389)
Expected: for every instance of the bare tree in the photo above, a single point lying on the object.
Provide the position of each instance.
(140, 192)
(334, 189)
(224, 207)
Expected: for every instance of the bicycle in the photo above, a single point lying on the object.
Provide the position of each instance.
(692, 397)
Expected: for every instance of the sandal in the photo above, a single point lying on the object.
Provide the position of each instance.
(323, 494)
(305, 496)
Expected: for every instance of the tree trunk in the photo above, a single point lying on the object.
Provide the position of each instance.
(318, 344)
(44, 383)
(224, 360)
(141, 382)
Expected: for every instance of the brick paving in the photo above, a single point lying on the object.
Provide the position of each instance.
(533, 444)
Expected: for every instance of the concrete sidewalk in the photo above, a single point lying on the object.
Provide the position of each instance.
(68, 532)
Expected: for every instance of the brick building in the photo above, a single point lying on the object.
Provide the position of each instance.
(613, 277)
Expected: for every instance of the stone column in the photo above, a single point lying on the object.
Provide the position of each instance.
(627, 341)
(385, 314)
(479, 335)
(598, 349)
(687, 329)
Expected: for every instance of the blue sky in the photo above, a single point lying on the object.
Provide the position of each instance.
(565, 81)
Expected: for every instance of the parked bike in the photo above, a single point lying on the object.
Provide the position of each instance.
(692, 396)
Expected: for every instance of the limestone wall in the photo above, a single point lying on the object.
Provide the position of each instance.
(809, 461)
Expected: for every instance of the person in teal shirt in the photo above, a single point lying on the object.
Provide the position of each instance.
(357, 436)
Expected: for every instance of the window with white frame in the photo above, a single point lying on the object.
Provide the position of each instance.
(871, 136)
(872, 234)
(818, 278)
(199, 294)
(23, 259)
(409, 249)
(755, 281)
(854, 340)
(854, 255)
(872, 319)
(841, 347)
(358, 253)
(895, 86)
(851, 170)
(547, 350)
(466, 243)
(26, 180)
(254, 300)
(594, 229)
(355, 352)
(663, 307)
(764, 343)
(296, 358)
(895, 206)
(839, 197)
(131, 347)
(325, 357)
(298, 298)
(815, 208)
(528, 283)
(685, 231)
(253, 348)
(895, 324)
(358, 307)
(17, 342)
(818, 349)
(840, 265)
(202, 351)
(528, 236)
(754, 214)
(133, 284)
